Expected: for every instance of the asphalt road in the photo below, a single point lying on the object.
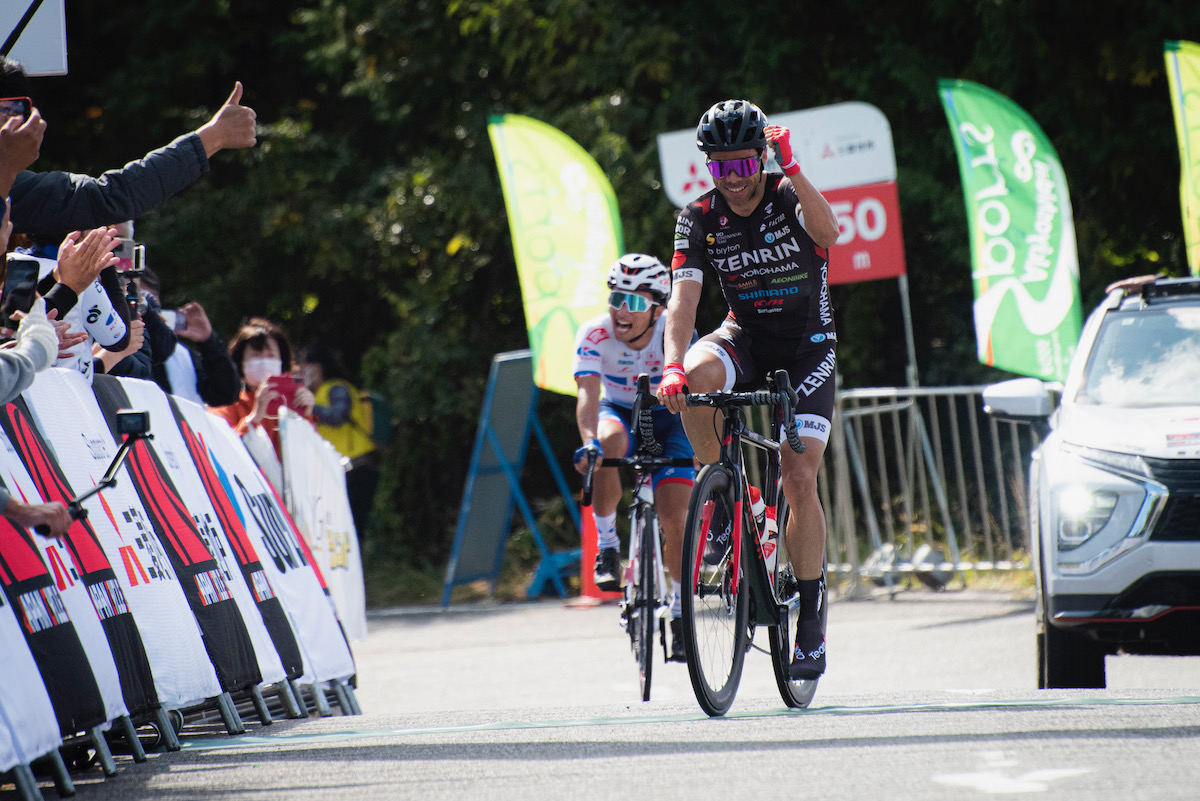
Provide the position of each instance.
(928, 696)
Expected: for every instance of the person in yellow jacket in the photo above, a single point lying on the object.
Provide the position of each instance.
(344, 420)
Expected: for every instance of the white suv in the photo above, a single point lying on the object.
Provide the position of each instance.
(1115, 485)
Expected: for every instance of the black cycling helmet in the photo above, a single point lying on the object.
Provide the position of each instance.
(732, 125)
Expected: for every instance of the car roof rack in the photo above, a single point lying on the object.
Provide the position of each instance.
(1166, 288)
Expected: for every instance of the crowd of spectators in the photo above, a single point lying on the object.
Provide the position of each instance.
(97, 307)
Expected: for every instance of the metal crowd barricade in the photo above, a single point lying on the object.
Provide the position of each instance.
(921, 482)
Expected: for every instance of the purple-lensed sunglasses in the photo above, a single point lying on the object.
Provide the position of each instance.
(743, 167)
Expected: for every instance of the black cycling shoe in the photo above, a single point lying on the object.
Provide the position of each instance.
(678, 650)
(808, 657)
(607, 573)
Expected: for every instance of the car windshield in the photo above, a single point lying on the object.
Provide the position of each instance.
(1148, 357)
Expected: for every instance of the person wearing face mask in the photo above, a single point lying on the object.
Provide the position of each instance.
(260, 350)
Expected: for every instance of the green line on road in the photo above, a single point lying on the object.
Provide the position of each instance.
(249, 741)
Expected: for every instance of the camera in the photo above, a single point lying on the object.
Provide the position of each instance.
(131, 422)
(20, 288)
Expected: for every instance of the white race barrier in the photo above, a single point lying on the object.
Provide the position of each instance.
(315, 492)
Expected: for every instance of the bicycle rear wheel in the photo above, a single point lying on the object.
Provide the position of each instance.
(645, 599)
(715, 602)
(796, 694)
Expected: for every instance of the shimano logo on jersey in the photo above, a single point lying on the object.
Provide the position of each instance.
(769, 293)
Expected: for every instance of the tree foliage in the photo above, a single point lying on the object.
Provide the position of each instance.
(370, 214)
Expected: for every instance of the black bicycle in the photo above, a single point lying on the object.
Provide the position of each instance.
(646, 603)
(737, 574)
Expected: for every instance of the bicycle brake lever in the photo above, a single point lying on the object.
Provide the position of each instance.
(587, 479)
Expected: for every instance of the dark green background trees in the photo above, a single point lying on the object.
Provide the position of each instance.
(370, 214)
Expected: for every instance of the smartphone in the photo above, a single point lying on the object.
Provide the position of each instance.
(20, 288)
(16, 107)
(286, 386)
(132, 256)
(175, 320)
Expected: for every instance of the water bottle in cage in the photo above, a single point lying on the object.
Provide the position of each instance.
(768, 528)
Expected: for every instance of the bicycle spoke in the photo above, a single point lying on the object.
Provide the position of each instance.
(715, 604)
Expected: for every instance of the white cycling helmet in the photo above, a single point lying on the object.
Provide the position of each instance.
(637, 272)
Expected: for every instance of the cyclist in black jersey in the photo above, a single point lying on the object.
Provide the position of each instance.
(765, 237)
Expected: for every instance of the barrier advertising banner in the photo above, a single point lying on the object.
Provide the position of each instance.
(1024, 264)
(203, 581)
(1183, 76)
(315, 492)
(82, 572)
(566, 232)
(27, 723)
(49, 632)
(289, 570)
(237, 563)
(19, 546)
(66, 413)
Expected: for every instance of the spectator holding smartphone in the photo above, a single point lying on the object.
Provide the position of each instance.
(261, 353)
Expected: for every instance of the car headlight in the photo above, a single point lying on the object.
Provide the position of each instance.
(1102, 505)
(1081, 514)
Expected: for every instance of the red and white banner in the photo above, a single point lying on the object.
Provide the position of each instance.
(66, 412)
(74, 594)
(315, 493)
(27, 726)
(288, 567)
(846, 151)
(168, 443)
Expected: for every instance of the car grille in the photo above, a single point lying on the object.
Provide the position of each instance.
(1180, 520)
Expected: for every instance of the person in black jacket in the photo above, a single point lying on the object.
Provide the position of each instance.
(197, 366)
(49, 204)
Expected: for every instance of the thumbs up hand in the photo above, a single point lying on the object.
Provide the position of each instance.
(232, 127)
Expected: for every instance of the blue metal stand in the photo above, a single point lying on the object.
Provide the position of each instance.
(508, 417)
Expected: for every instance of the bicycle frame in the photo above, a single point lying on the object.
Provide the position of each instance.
(734, 435)
(643, 497)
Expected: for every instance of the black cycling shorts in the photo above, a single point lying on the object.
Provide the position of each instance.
(811, 367)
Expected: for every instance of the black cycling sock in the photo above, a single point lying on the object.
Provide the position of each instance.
(812, 595)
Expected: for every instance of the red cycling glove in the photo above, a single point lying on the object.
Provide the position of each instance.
(780, 139)
(674, 380)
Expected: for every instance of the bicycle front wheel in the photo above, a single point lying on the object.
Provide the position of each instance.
(645, 598)
(715, 602)
(796, 694)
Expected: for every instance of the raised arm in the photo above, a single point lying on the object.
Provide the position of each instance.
(819, 219)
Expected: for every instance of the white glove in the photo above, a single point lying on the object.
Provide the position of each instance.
(36, 328)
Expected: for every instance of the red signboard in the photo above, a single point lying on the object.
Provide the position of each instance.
(871, 245)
